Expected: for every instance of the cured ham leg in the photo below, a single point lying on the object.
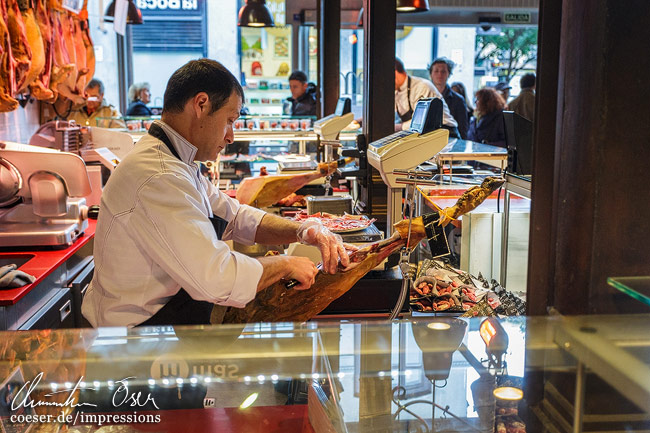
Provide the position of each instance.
(279, 304)
(68, 87)
(40, 86)
(87, 42)
(7, 79)
(470, 199)
(20, 49)
(36, 45)
(264, 191)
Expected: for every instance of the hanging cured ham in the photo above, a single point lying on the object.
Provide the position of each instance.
(7, 64)
(68, 86)
(40, 86)
(63, 71)
(35, 40)
(20, 48)
(88, 43)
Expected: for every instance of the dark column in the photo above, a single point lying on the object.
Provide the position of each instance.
(329, 21)
(379, 23)
(600, 203)
(541, 268)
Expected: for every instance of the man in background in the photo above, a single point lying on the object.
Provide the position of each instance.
(408, 90)
(504, 90)
(303, 95)
(524, 104)
(97, 112)
(440, 70)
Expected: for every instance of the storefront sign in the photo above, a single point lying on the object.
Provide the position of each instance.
(517, 18)
(173, 5)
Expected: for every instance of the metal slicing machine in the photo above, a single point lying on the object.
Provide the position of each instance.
(41, 196)
(328, 129)
(407, 149)
(95, 145)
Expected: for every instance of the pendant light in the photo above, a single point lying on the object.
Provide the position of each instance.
(412, 5)
(255, 13)
(133, 16)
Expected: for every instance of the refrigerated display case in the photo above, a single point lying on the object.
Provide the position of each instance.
(440, 374)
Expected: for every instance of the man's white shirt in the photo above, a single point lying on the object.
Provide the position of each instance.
(154, 236)
(420, 88)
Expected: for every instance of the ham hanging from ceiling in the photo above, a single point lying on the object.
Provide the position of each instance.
(63, 71)
(35, 40)
(68, 87)
(40, 86)
(7, 64)
(20, 48)
(88, 43)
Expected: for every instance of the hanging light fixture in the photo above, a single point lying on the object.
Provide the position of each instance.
(412, 5)
(133, 16)
(255, 13)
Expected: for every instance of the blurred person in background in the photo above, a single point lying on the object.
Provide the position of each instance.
(303, 96)
(459, 88)
(97, 112)
(408, 90)
(139, 97)
(487, 124)
(504, 90)
(440, 70)
(524, 104)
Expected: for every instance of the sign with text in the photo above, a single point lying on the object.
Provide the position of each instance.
(166, 7)
(517, 18)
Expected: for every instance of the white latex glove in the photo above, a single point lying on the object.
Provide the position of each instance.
(331, 246)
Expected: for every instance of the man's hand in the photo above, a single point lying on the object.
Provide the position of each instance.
(288, 267)
(332, 248)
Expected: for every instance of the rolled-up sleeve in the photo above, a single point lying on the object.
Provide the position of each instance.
(180, 239)
(243, 220)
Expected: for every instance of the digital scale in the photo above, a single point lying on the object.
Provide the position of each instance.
(407, 149)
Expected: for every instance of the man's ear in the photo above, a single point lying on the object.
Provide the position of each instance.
(201, 104)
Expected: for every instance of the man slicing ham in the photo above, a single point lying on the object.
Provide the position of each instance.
(159, 253)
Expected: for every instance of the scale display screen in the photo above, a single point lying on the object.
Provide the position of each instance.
(420, 115)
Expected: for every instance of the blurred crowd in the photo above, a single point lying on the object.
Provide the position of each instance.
(477, 117)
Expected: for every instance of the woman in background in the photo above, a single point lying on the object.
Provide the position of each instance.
(459, 88)
(487, 124)
(139, 97)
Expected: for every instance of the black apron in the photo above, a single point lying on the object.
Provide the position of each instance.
(409, 114)
(181, 309)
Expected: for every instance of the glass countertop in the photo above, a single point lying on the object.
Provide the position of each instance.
(430, 374)
(635, 287)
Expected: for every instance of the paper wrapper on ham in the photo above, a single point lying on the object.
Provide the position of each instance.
(470, 199)
(263, 191)
(279, 304)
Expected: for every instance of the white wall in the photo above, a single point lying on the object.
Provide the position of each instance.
(458, 43)
(105, 43)
(415, 49)
(222, 33)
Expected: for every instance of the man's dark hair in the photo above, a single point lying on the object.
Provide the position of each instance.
(527, 81)
(450, 64)
(95, 83)
(298, 76)
(399, 66)
(203, 75)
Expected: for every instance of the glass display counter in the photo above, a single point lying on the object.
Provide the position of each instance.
(533, 374)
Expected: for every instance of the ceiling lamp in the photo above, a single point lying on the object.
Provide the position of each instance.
(255, 13)
(133, 16)
(412, 5)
